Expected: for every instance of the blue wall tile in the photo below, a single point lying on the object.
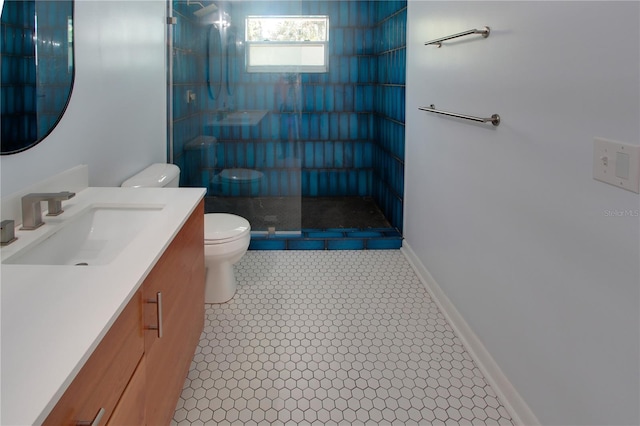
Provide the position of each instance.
(365, 234)
(306, 245)
(259, 244)
(384, 244)
(28, 114)
(345, 244)
(325, 234)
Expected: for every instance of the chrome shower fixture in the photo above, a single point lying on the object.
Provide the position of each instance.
(205, 10)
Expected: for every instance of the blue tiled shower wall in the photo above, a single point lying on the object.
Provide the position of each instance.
(33, 98)
(388, 178)
(339, 133)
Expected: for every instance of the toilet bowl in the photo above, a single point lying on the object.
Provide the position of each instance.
(201, 155)
(226, 236)
(226, 240)
(239, 182)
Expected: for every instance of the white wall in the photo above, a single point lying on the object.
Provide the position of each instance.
(508, 220)
(116, 119)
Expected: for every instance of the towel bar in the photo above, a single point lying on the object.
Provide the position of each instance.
(494, 119)
(484, 32)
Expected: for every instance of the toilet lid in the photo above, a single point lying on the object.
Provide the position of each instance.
(240, 175)
(220, 227)
(156, 175)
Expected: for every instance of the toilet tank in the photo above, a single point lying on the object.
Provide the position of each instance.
(158, 175)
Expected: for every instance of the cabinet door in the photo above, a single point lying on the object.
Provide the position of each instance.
(102, 380)
(130, 409)
(179, 277)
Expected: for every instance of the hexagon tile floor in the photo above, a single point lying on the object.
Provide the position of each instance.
(332, 337)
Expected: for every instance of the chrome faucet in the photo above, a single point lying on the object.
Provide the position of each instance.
(31, 212)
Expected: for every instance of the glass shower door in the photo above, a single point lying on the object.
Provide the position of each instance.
(235, 132)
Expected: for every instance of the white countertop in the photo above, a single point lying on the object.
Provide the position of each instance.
(53, 317)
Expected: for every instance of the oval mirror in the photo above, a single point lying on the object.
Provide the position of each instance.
(231, 56)
(214, 62)
(37, 69)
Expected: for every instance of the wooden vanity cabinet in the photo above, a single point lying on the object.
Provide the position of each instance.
(104, 377)
(134, 374)
(179, 277)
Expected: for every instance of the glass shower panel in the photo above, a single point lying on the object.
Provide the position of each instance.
(235, 132)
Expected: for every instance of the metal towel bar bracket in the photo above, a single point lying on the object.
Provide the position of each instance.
(484, 32)
(494, 119)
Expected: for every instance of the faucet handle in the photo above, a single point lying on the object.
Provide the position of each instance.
(55, 203)
(7, 232)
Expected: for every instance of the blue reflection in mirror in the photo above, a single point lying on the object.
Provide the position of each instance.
(37, 70)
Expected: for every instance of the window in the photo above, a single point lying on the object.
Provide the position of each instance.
(287, 43)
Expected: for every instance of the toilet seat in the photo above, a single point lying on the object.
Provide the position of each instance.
(220, 228)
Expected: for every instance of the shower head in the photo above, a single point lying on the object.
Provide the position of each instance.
(206, 10)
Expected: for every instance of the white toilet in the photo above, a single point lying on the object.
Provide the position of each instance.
(226, 240)
(226, 236)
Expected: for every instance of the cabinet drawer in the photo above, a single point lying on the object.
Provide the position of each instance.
(103, 378)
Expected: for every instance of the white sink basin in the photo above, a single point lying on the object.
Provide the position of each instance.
(93, 237)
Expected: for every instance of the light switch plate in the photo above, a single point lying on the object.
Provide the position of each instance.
(612, 161)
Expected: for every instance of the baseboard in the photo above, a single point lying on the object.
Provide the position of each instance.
(510, 398)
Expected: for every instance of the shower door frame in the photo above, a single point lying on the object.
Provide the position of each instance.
(169, 63)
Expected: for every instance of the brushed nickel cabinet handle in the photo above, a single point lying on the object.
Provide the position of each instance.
(95, 421)
(158, 303)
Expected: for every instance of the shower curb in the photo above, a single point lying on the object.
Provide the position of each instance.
(330, 239)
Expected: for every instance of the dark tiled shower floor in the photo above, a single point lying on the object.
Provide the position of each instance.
(328, 223)
(284, 213)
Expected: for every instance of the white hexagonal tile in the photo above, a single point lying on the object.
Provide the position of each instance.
(328, 338)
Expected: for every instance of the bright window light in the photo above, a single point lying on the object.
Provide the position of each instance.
(287, 43)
